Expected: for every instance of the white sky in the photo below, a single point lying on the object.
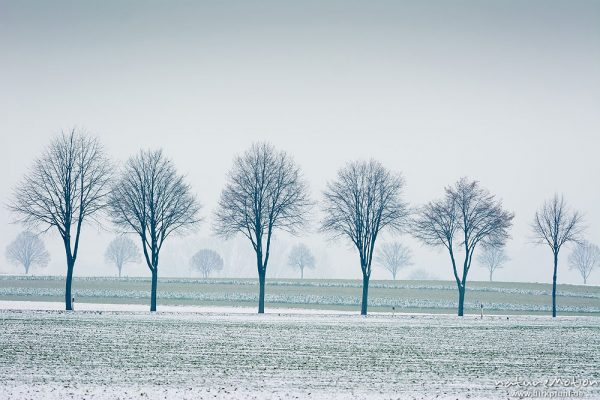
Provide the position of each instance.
(505, 92)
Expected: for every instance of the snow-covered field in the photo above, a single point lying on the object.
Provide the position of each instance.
(413, 296)
(195, 353)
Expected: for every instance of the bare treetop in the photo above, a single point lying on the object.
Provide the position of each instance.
(364, 199)
(555, 224)
(27, 250)
(467, 209)
(152, 200)
(265, 191)
(68, 183)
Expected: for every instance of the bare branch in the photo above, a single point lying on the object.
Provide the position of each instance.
(554, 224)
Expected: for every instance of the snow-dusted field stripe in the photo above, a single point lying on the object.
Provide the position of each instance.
(52, 354)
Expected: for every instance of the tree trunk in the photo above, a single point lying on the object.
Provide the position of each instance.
(68, 297)
(120, 271)
(365, 294)
(27, 270)
(261, 294)
(554, 285)
(153, 292)
(491, 273)
(461, 300)
(301, 273)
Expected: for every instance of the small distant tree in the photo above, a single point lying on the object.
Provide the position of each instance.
(265, 192)
(393, 257)
(301, 257)
(64, 188)
(151, 199)
(466, 217)
(27, 250)
(584, 258)
(206, 261)
(364, 200)
(121, 251)
(492, 258)
(554, 224)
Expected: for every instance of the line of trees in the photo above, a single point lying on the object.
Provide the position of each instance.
(73, 183)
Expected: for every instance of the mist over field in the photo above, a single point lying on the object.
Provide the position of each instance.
(505, 93)
(299, 199)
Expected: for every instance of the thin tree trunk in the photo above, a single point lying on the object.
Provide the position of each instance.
(491, 272)
(461, 300)
(153, 292)
(120, 271)
(27, 270)
(261, 294)
(68, 297)
(365, 295)
(554, 285)
(301, 273)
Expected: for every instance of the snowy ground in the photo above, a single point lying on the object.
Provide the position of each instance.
(197, 353)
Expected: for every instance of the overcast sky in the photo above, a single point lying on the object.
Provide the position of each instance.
(505, 92)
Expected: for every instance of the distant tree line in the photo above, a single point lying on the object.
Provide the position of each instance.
(73, 183)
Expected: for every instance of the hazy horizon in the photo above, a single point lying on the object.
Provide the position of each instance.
(506, 93)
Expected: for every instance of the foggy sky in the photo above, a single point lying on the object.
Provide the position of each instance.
(507, 93)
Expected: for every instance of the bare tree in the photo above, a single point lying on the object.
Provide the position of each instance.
(364, 200)
(393, 256)
(152, 200)
(301, 257)
(466, 217)
(206, 261)
(584, 258)
(492, 258)
(265, 192)
(27, 250)
(554, 225)
(120, 251)
(66, 186)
